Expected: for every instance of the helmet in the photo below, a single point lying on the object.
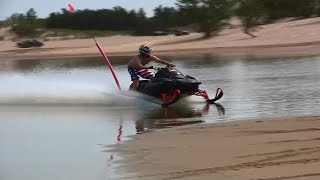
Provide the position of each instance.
(145, 50)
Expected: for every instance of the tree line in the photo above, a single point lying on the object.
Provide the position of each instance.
(117, 19)
(207, 16)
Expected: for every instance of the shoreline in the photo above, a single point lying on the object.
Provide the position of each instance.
(259, 149)
(311, 49)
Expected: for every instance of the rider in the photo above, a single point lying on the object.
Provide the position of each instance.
(136, 66)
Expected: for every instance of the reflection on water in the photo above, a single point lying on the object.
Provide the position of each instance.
(119, 137)
(174, 116)
(34, 65)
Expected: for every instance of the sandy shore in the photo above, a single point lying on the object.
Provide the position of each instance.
(264, 149)
(293, 38)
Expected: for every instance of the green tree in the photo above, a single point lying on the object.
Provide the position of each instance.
(165, 17)
(25, 25)
(207, 14)
(141, 14)
(251, 14)
(31, 14)
(318, 7)
(276, 9)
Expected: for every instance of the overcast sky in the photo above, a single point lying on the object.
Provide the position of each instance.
(45, 7)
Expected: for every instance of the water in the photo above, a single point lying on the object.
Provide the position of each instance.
(58, 116)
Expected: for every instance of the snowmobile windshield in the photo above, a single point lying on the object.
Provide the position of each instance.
(169, 73)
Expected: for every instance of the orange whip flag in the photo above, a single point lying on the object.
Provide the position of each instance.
(71, 8)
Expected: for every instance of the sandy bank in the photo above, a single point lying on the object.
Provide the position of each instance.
(294, 38)
(265, 149)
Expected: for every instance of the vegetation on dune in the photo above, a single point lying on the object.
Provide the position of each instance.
(2, 24)
(207, 16)
(251, 14)
(26, 25)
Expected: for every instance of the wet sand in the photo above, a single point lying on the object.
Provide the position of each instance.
(293, 38)
(263, 149)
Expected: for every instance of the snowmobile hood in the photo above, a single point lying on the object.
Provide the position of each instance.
(169, 72)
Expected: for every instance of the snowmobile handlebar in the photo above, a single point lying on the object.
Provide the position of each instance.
(158, 68)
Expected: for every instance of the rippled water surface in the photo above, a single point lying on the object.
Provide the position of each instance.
(57, 116)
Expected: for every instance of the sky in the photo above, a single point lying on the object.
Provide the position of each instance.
(45, 7)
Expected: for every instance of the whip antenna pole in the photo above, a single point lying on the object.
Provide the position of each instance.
(108, 62)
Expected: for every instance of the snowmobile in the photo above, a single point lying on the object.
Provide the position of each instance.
(169, 85)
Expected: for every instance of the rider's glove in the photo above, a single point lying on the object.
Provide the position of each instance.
(150, 67)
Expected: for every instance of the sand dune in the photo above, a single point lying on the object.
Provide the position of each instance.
(293, 38)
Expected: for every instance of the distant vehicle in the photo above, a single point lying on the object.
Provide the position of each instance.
(29, 43)
(160, 33)
(181, 33)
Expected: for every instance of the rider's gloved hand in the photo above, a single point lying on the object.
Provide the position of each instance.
(171, 65)
(150, 67)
